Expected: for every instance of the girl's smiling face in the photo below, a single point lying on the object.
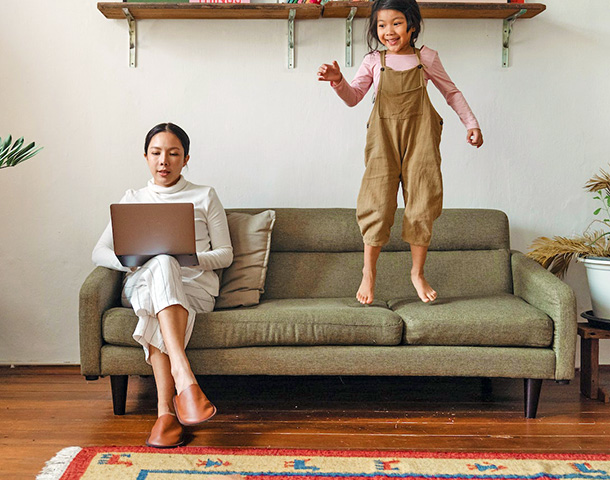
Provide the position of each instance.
(165, 158)
(392, 31)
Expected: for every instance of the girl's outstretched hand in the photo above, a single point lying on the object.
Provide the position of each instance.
(330, 73)
(474, 137)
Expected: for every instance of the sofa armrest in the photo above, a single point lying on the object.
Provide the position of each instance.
(543, 290)
(100, 291)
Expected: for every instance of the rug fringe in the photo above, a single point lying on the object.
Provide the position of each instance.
(55, 468)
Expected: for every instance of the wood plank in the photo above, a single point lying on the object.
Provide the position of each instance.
(41, 413)
(114, 10)
(442, 10)
(186, 11)
(24, 429)
(587, 331)
(200, 438)
(589, 360)
(38, 370)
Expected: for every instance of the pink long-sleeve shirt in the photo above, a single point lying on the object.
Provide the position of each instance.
(369, 71)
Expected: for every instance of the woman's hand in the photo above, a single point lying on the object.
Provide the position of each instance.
(330, 73)
(474, 137)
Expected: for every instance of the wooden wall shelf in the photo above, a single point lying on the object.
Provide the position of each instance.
(188, 11)
(443, 10)
(185, 11)
(133, 11)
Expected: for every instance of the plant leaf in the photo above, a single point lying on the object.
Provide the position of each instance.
(11, 155)
(15, 155)
(16, 146)
(596, 212)
(14, 159)
(23, 159)
(14, 150)
(4, 145)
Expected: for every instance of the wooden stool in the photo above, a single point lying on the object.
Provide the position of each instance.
(589, 362)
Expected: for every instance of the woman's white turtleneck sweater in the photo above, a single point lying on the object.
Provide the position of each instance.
(212, 238)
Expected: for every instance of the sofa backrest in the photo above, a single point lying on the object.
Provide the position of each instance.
(317, 252)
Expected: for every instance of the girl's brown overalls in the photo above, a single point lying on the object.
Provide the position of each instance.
(402, 147)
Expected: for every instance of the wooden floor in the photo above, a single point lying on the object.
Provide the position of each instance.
(44, 409)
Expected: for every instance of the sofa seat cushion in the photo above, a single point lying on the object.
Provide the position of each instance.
(496, 320)
(321, 321)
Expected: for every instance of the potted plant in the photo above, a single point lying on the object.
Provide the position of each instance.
(11, 155)
(591, 248)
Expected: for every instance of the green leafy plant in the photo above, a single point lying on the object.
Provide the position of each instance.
(11, 155)
(557, 253)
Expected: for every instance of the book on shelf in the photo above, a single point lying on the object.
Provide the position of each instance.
(470, 1)
(157, 1)
(316, 1)
(432, 1)
(219, 1)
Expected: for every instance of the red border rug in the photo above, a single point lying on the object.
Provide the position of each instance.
(142, 463)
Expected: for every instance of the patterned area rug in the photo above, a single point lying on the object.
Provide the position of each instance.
(141, 463)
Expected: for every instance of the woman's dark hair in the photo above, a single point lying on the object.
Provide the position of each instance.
(168, 127)
(408, 8)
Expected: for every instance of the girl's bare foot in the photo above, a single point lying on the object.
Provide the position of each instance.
(424, 290)
(366, 292)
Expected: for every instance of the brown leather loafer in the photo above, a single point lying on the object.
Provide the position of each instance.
(166, 433)
(192, 406)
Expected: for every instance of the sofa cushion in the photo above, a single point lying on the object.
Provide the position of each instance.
(336, 230)
(243, 281)
(325, 321)
(496, 320)
(324, 275)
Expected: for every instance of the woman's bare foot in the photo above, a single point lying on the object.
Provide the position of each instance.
(424, 290)
(366, 292)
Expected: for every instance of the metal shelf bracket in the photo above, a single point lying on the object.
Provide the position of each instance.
(506, 32)
(291, 16)
(349, 37)
(132, 37)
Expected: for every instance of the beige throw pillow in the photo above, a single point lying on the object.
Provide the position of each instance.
(243, 281)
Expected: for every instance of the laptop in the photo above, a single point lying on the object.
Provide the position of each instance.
(143, 230)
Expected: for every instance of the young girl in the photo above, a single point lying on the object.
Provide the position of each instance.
(166, 296)
(403, 137)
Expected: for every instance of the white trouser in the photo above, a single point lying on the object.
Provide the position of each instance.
(155, 286)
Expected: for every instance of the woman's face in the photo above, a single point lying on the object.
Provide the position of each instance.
(165, 158)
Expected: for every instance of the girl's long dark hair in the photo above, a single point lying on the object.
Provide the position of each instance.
(408, 8)
(172, 128)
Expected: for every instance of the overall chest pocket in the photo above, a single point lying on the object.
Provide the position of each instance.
(401, 105)
(401, 94)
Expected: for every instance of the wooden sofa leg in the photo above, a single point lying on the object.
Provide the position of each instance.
(532, 387)
(118, 384)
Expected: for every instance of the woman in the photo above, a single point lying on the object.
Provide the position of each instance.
(166, 296)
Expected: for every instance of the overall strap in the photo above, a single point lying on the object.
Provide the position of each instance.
(382, 53)
(417, 50)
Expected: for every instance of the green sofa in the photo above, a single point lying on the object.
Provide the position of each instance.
(499, 313)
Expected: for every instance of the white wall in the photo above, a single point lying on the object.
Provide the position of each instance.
(264, 135)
